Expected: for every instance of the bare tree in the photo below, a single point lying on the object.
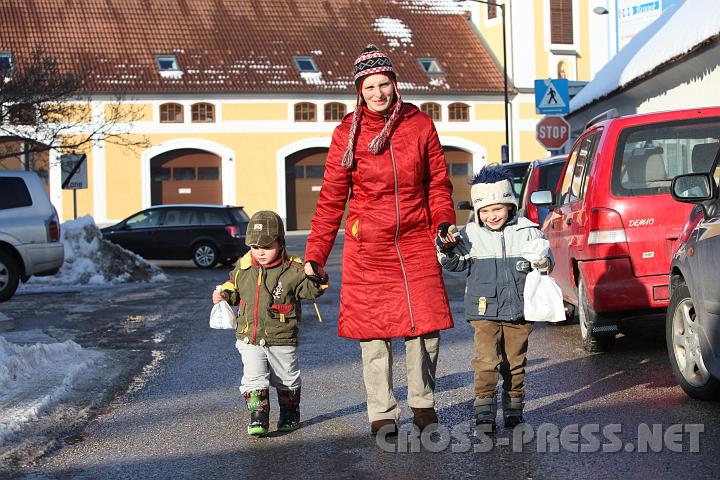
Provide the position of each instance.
(43, 108)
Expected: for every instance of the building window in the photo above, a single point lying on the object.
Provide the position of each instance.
(167, 64)
(22, 114)
(458, 112)
(6, 63)
(305, 112)
(305, 64)
(334, 111)
(171, 113)
(432, 109)
(491, 12)
(561, 22)
(430, 66)
(203, 112)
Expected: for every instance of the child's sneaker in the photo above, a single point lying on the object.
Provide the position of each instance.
(485, 412)
(259, 408)
(289, 401)
(513, 411)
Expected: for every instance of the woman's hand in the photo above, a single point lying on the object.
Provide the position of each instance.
(218, 297)
(315, 272)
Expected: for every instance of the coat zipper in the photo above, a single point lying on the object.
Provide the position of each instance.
(397, 236)
(255, 307)
(507, 270)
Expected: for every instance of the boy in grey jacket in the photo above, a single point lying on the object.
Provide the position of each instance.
(490, 250)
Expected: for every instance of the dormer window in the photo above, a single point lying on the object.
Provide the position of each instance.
(6, 62)
(305, 64)
(168, 66)
(430, 66)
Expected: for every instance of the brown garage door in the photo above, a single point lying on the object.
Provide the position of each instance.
(185, 176)
(303, 178)
(460, 169)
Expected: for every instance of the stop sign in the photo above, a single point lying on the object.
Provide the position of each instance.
(552, 132)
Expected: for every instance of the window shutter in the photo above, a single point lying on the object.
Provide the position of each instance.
(561, 22)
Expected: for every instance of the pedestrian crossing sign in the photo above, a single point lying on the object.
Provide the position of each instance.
(551, 96)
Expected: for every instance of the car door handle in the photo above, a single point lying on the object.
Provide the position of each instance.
(568, 221)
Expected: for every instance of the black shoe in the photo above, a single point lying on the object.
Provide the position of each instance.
(289, 401)
(259, 408)
(512, 421)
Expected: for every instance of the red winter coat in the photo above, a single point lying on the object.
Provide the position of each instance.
(392, 283)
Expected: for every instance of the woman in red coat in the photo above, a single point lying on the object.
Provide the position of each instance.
(387, 161)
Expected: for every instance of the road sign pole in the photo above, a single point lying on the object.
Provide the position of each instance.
(74, 204)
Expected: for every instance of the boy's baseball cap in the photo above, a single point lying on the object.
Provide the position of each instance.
(264, 228)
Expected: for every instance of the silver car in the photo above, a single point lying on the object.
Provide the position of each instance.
(693, 317)
(29, 231)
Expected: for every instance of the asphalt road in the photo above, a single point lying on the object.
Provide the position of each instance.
(590, 415)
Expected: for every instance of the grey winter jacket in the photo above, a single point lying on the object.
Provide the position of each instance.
(496, 269)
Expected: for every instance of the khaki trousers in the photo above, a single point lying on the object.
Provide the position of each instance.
(500, 346)
(421, 354)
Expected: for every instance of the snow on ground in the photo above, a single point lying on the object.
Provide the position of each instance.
(35, 378)
(36, 373)
(92, 261)
(680, 28)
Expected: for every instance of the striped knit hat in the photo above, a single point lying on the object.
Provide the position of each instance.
(370, 62)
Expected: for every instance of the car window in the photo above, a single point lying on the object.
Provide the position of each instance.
(149, 218)
(239, 215)
(550, 175)
(14, 193)
(177, 216)
(649, 156)
(590, 161)
(208, 217)
(572, 187)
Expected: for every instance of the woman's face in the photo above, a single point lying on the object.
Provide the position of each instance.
(378, 92)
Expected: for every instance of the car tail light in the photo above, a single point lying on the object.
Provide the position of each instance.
(233, 231)
(605, 226)
(531, 210)
(53, 229)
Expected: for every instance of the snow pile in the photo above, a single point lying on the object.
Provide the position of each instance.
(679, 29)
(91, 260)
(35, 378)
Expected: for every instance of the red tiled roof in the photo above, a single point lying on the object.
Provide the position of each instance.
(247, 46)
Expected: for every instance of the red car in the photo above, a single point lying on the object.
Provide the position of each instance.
(614, 223)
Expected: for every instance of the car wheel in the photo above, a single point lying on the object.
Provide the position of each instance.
(205, 255)
(227, 262)
(9, 276)
(683, 343)
(590, 322)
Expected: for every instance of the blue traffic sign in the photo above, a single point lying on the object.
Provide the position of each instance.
(552, 97)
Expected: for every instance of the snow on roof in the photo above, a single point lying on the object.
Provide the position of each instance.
(678, 30)
(395, 30)
(438, 7)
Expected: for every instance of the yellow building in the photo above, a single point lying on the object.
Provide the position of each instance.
(544, 39)
(236, 100)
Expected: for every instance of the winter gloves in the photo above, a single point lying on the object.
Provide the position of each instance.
(447, 237)
(315, 272)
(542, 264)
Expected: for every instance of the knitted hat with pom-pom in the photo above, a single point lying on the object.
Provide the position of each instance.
(370, 62)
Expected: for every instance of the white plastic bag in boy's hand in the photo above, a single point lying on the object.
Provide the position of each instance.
(222, 316)
(543, 297)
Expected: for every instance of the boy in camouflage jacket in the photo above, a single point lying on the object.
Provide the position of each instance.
(267, 285)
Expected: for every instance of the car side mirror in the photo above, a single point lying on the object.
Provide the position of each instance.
(693, 188)
(464, 205)
(542, 198)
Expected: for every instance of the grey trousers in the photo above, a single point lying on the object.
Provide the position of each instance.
(275, 366)
(421, 354)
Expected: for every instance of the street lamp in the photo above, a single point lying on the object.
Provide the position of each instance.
(505, 75)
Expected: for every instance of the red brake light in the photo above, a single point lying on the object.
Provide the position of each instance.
(53, 229)
(531, 211)
(606, 228)
(233, 231)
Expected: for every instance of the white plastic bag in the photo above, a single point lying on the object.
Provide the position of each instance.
(222, 315)
(543, 297)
